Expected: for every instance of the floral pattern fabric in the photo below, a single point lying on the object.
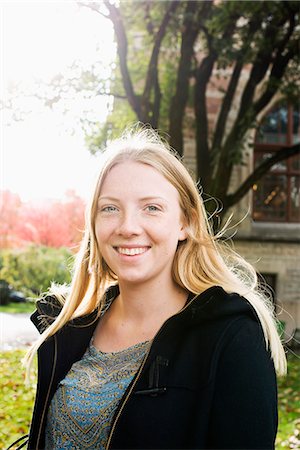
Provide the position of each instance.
(82, 409)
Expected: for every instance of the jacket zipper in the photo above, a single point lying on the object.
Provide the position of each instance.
(48, 392)
(124, 401)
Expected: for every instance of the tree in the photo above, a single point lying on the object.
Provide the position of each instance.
(55, 224)
(32, 270)
(52, 223)
(10, 206)
(171, 53)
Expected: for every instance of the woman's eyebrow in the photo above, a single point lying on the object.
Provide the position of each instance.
(104, 197)
(153, 197)
(142, 199)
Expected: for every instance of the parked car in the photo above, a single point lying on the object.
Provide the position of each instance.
(8, 294)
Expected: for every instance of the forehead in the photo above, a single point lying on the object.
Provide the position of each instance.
(131, 177)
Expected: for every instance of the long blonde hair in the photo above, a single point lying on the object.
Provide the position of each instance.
(201, 261)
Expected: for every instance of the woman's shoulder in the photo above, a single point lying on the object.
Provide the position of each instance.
(220, 303)
(228, 316)
(47, 309)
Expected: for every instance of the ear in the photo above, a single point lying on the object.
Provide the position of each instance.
(182, 233)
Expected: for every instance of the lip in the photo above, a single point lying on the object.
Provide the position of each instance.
(141, 250)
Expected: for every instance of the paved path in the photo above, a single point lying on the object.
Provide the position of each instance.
(16, 331)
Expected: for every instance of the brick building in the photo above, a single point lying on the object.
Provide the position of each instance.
(269, 234)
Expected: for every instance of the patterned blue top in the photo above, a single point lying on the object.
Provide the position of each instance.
(81, 411)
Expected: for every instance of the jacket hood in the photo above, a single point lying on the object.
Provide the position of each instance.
(214, 303)
(49, 307)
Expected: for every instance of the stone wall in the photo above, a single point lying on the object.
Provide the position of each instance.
(282, 260)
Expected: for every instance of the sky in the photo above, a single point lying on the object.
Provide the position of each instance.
(40, 156)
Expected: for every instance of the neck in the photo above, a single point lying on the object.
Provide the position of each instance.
(147, 303)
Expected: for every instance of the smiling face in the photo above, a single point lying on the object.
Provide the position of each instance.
(139, 223)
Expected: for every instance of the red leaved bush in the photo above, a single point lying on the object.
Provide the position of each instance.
(53, 223)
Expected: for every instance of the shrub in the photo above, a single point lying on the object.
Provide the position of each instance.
(32, 269)
(4, 291)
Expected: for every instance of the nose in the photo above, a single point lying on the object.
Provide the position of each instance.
(129, 225)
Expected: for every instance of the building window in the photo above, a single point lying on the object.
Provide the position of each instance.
(276, 197)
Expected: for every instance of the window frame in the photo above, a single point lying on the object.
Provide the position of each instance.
(261, 148)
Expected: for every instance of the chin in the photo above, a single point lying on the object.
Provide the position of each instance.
(132, 279)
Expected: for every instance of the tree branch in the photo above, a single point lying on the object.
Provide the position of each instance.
(152, 66)
(150, 113)
(94, 6)
(261, 64)
(254, 25)
(156, 103)
(229, 153)
(226, 105)
(203, 75)
(116, 18)
(115, 95)
(280, 65)
(259, 172)
(179, 100)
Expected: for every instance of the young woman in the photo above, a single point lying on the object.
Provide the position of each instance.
(163, 340)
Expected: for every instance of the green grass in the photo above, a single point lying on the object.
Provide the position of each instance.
(16, 398)
(13, 308)
(15, 412)
(288, 436)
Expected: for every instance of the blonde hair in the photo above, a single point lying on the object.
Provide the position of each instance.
(201, 261)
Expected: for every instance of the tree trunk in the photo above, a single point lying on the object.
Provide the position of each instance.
(203, 153)
(180, 98)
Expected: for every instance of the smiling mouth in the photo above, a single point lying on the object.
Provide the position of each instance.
(132, 251)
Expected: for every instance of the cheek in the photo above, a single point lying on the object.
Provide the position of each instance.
(173, 228)
(98, 232)
(103, 231)
(167, 235)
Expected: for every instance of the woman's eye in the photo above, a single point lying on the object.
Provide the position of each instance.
(152, 208)
(108, 209)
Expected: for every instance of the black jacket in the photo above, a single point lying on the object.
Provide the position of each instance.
(207, 382)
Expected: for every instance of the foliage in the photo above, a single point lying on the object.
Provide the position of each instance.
(16, 398)
(288, 436)
(18, 308)
(204, 70)
(97, 134)
(52, 223)
(4, 292)
(32, 269)
(199, 71)
(18, 401)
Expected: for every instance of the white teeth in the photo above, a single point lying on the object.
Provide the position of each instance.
(131, 251)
